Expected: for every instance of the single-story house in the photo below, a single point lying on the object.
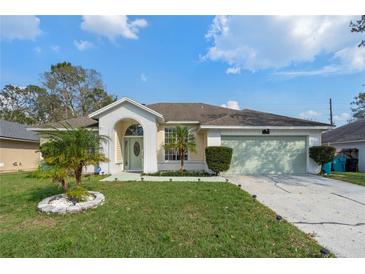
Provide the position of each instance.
(263, 143)
(350, 136)
(18, 147)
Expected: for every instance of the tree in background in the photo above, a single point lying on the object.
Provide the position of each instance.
(14, 103)
(358, 111)
(28, 105)
(80, 91)
(359, 26)
(67, 91)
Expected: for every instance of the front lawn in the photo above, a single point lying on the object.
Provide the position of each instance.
(351, 177)
(170, 219)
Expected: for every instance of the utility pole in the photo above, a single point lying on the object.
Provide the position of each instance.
(331, 115)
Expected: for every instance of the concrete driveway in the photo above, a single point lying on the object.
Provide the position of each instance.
(332, 210)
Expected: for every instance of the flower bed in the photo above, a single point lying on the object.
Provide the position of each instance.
(176, 173)
(61, 204)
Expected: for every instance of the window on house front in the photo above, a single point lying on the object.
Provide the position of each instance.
(171, 154)
(134, 130)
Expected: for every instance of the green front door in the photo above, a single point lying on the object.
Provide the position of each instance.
(135, 153)
(267, 154)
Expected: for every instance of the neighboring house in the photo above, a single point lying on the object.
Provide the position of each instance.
(18, 147)
(262, 143)
(350, 136)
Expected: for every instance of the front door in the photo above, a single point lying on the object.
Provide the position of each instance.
(136, 154)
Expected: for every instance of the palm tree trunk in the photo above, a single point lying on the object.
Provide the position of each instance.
(64, 184)
(182, 161)
(78, 174)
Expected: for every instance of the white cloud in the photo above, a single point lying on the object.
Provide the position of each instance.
(321, 71)
(309, 115)
(55, 48)
(341, 118)
(113, 26)
(231, 104)
(38, 50)
(19, 27)
(352, 59)
(143, 77)
(233, 70)
(83, 45)
(276, 42)
(347, 60)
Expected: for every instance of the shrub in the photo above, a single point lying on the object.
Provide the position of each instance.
(218, 158)
(322, 154)
(38, 173)
(174, 173)
(79, 194)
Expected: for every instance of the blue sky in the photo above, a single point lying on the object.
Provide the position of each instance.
(284, 65)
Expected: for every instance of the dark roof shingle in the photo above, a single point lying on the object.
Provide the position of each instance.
(18, 131)
(206, 115)
(220, 116)
(73, 122)
(189, 111)
(348, 133)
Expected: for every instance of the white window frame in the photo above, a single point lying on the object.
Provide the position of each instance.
(167, 153)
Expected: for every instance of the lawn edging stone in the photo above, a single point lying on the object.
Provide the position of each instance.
(44, 206)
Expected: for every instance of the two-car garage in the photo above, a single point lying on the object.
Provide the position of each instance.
(267, 154)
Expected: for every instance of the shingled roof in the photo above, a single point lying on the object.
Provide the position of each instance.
(73, 122)
(16, 131)
(189, 111)
(219, 116)
(208, 115)
(348, 133)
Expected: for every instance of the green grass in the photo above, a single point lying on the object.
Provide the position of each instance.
(170, 219)
(351, 177)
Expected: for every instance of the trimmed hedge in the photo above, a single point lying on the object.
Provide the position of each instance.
(218, 158)
(174, 173)
(322, 154)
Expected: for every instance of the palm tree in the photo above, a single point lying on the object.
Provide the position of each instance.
(182, 141)
(56, 173)
(72, 149)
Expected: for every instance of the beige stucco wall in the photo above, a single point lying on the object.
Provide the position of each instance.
(18, 155)
(200, 139)
(127, 109)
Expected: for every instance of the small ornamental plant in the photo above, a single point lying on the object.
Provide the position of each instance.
(218, 158)
(77, 194)
(322, 154)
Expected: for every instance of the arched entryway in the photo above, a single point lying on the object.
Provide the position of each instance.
(130, 145)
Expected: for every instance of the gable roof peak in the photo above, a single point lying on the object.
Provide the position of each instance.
(97, 113)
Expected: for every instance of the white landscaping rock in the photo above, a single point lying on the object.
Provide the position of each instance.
(59, 204)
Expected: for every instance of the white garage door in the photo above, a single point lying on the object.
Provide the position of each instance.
(267, 154)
